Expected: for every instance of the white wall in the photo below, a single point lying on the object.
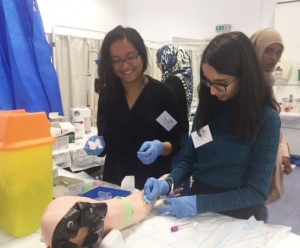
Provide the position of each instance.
(156, 20)
(159, 20)
(100, 15)
(287, 22)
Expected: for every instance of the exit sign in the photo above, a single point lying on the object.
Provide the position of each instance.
(223, 28)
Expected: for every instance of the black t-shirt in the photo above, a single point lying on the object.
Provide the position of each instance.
(177, 85)
(125, 130)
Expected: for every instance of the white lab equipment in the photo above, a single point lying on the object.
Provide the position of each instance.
(283, 69)
(81, 119)
(290, 124)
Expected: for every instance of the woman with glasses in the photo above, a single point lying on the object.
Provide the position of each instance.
(269, 47)
(233, 145)
(138, 116)
(175, 65)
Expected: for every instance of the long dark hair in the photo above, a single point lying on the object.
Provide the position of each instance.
(233, 54)
(110, 85)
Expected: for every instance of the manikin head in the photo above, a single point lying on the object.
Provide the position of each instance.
(73, 221)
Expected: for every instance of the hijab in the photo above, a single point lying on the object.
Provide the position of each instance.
(261, 40)
(176, 61)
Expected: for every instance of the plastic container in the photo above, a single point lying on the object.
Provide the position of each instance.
(287, 104)
(26, 184)
(100, 191)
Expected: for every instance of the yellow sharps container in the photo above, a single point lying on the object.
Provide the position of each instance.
(26, 184)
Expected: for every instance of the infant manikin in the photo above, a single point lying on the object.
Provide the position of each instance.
(75, 221)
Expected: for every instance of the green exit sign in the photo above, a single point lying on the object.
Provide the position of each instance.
(223, 28)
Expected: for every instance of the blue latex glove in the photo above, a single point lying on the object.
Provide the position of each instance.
(149, 151)
(91, 147)
(155, 187)
(180, 207)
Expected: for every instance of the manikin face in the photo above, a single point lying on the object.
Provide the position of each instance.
(131, 69)
(271, 56)
(221, 80)
(73, 220)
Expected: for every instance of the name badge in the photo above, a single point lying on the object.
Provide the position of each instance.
(205, 136)
(166, 120)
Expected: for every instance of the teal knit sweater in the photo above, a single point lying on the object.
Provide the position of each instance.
(244, 169)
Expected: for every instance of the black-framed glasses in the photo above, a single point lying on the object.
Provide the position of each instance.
(129, 60)
(219, 86)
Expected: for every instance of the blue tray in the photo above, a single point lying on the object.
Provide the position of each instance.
(114, 192)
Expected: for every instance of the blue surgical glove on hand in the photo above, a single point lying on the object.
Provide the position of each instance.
(149, 151)
(155, 187)
(94, 145)
(180, 207)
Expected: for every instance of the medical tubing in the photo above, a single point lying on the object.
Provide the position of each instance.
(128, 210)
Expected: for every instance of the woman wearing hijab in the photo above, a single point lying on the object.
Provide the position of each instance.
(175, 65)
(269, 47)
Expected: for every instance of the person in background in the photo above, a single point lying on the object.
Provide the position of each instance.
(175, 65)
(138, 117)
(269, 47)
(235, 136)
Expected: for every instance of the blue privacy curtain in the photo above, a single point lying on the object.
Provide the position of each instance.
(28, 79)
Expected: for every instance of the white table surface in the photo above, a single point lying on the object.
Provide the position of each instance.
(208, 230)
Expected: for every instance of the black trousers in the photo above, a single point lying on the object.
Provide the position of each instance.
(259, 211)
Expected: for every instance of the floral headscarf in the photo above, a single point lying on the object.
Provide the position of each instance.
(176, 61)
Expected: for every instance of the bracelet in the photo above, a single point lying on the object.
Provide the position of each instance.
(128, 210)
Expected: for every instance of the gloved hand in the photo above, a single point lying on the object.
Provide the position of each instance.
(155, 187)
(180, 207)
(94, 145)
(149, 151)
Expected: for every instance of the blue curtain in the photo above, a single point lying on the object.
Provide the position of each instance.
(28, 79)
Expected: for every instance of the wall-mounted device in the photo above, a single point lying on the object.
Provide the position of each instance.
(81, 119)
(283, 70)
